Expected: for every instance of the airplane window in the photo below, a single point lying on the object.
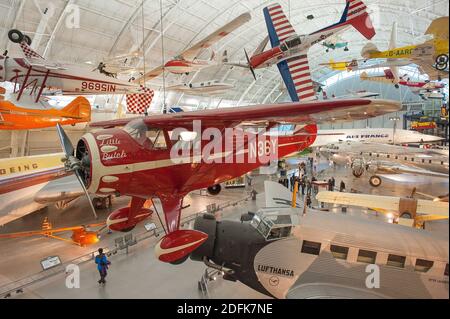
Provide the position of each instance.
(155, 139)
(446, 270)
(294, 42)
(137, 130)
(339, 252)
(275, 233)
(396, 261)
(423, 265)
(311, 248)
(430, 161)
(263, 228)
(367, 256)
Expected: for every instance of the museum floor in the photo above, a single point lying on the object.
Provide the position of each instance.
(138, 274)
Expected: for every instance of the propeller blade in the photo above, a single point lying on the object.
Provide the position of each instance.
(250, 65)
(66, 144)
(77, 173)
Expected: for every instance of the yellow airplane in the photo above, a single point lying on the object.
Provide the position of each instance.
(431, 56)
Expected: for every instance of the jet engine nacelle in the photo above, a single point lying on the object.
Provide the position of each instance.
(120, 221)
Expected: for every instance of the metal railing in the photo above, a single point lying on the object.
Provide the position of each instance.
(18, 286)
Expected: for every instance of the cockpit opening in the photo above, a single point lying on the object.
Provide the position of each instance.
(273, 225)
(150, 138)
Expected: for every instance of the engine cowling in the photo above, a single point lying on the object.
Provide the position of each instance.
(119, 220)
(178, 245)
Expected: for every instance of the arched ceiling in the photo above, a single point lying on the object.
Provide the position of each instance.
(113, 27)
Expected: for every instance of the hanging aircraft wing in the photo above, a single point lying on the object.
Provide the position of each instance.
(64, 189)
(193, 52)
(388, 203)
(151, 75)
(269, 114)
(392, 168)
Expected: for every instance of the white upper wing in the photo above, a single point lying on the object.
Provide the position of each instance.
(191, 53)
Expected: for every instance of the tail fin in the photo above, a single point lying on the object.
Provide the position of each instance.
(29, 52)
(388, 73)
(80, 108)
(355, 13)
(261, 46)
(369, 49)
(138, 103)
(393, 41)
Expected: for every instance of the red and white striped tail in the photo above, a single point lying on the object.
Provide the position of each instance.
(283, 27)
(301, 76)
(355, 9)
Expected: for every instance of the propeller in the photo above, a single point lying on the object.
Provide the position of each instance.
(250, 65)
(72, 163)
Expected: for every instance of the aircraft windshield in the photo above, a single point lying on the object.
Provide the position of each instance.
(293, 42)
(273, 225)
(150, 138)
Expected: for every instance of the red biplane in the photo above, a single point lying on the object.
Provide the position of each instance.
(164, 157)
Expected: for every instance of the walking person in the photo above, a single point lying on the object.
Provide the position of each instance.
(303, 185)
(308, 188)
(315, 187)
(342, 187)
(330, 185)
(102, 265)
(308, 201)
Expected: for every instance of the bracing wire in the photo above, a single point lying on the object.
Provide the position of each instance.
(163, 62)
(143, 45)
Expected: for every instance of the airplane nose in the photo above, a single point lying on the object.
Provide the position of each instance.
(83, 154)
(228, 241)
(208, 225)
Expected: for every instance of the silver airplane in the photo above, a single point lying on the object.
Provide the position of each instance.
(386, 159)
(283, 253)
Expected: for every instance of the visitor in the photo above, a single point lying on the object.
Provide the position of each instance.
(102, 265)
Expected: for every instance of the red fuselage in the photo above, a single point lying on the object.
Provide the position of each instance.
(121, 163)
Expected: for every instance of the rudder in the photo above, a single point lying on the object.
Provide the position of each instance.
(356, 14)
(79, 108)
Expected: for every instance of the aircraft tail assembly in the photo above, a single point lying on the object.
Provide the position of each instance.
(79, 108)
(356, 14)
